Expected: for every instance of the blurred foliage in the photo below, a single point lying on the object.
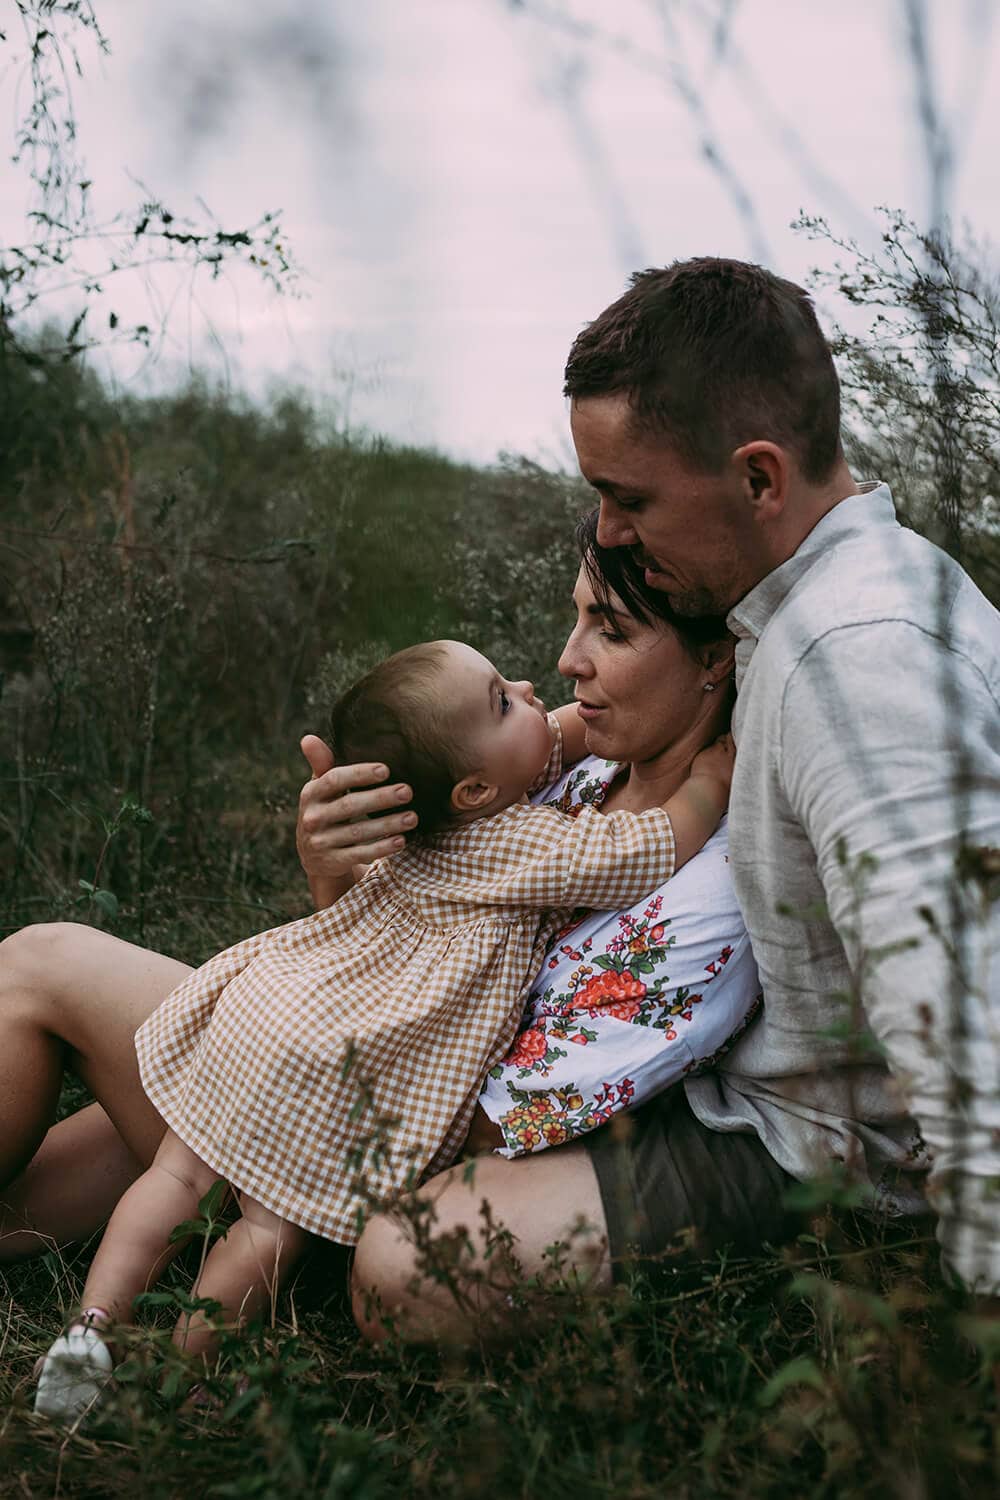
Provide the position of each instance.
(185, 584)
(68, 248)
(920, 373)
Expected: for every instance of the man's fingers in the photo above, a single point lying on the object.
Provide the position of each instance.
(365, 854)
(318, 753)
(340, 779)
(343, 835)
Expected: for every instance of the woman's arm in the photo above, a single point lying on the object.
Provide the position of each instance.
(335, 835)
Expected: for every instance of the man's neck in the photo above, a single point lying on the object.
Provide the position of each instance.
(803, 511)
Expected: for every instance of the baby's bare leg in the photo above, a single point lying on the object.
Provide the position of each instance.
(243, 1273)
(136, 1248)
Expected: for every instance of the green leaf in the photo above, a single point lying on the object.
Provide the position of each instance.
(800, 1371)
(212, 1204)
(106, 902)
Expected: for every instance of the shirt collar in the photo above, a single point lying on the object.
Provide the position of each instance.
(872, 506)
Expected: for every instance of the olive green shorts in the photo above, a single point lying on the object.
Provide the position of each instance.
(672, 1188)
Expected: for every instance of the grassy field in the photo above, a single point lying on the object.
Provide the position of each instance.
(183, 585)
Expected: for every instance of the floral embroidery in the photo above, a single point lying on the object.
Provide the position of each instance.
(606, 1009)
(561, 1114)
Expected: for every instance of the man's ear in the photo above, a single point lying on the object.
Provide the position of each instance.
(763, 470)
(471, 795)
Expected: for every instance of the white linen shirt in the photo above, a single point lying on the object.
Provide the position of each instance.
(868, 756)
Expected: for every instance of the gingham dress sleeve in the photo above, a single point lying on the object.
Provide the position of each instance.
(554, 861)
(553, 768)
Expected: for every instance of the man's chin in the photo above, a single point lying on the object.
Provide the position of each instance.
(691, 604)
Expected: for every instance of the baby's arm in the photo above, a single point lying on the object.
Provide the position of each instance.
(574, 733)
(696, 809)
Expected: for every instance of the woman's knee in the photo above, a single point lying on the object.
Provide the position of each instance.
(382, 1277)
(36, 962)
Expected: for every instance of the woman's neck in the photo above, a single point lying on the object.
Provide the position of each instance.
(650, 783)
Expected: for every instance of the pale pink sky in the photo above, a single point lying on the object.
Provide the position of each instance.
(466, 184)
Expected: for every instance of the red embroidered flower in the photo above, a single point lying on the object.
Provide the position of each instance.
(527, 1049)
(622, 1010)
(657, 933)
(608, 987)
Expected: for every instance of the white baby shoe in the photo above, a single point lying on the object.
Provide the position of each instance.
(74, 1374)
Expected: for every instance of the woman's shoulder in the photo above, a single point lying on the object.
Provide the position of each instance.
(584, 784)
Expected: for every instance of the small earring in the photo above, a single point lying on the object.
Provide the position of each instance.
(709, 687)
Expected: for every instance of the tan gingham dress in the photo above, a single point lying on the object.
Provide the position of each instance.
(422, 969)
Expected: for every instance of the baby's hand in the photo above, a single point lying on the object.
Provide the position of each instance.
(717, 761)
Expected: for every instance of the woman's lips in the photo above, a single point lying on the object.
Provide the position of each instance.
(588, 711)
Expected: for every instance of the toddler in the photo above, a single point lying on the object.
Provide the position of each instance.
(271, 1063)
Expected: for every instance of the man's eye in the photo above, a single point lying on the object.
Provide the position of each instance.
(504, 702)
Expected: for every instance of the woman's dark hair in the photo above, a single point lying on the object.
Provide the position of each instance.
(397, 714)
(714, 353)
(613, 570)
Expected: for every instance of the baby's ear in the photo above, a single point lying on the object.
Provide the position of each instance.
(472, 795)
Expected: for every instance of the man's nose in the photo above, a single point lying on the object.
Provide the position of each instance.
(613, 527)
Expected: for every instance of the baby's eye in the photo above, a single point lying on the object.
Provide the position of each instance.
(504, 702)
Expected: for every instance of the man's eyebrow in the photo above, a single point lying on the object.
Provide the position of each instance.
(610, 487)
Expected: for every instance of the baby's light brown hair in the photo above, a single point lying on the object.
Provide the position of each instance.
(399, 714)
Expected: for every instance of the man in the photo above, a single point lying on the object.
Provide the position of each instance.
(705, 413)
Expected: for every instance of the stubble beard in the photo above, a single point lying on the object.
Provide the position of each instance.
(694, 604)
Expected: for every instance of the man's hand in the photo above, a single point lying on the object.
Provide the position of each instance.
(334, 832)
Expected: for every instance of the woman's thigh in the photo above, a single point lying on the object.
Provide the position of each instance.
(71, 994)
(549, 1204)
(91, 992)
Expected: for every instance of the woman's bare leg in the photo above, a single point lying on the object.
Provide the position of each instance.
(545, 1201)
(71, 996)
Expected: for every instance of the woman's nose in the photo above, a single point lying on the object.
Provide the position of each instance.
(572, 662)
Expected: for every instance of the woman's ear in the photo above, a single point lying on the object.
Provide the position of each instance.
(718, 659)
(472, 796)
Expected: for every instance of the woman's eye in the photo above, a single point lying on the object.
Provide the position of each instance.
(504, 702)
(614, 635)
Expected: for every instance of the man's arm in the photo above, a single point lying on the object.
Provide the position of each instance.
(890, 784)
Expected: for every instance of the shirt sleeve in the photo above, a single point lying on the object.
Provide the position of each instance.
(554, 861)
(895, 776)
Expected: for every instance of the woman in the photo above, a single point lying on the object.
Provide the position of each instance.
(69, 994)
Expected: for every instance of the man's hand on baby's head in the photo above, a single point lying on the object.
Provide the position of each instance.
(348, 815)
(716, 761)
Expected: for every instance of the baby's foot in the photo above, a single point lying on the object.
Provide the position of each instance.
(74, 1374)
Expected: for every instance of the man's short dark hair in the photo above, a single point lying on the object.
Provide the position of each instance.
(713, 354)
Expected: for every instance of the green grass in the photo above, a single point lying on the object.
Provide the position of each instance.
(832, 1369)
